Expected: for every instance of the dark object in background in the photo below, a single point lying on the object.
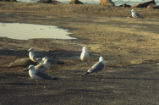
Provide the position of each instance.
(144, 4)
(75, 2)
(125, 5)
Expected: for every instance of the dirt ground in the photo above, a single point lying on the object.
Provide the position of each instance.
(129, 46)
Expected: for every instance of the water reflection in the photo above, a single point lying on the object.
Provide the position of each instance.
(23, 31)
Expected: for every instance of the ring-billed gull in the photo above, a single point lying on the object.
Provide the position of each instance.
(37, 75)
(43, 65)
(84, 54)
(98, 66)
(33, 56)
(134, 14)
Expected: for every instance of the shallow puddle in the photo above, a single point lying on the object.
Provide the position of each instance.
(23, 31)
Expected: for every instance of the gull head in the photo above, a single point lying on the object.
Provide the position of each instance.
(132, 10)
(84, 48)
(31, 49)
(45, 59)
(101, 59)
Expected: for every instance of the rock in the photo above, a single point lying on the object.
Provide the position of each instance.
(56, 2)
(49, 1)
(44, 1)
(75, 2)
(9, 0)
(125, 5)
(144, 4)
(106, 3)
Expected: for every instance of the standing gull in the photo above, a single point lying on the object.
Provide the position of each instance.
(33, 56)
(37, 75)
(98, 66)
(43, 65)
(84, 54)
(134, 14)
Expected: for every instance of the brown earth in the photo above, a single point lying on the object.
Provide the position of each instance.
(129, 46)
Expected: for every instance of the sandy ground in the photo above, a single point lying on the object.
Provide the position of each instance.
(129, 46)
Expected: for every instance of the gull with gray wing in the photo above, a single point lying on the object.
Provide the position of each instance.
(134, 14)
(38, 75)
(98, 66)
(43, 65)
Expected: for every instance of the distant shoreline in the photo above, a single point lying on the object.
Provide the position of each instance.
(117, 3)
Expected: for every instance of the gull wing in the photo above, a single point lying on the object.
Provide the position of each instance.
(44, 75)
(96, 67)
